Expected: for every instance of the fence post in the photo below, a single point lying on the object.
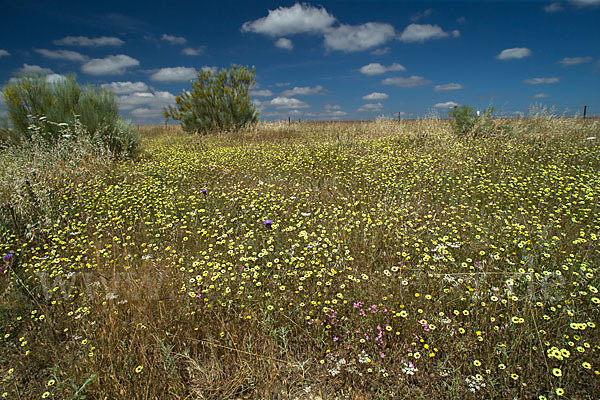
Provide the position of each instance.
(584, 111)
(399, 116)
(289, 120)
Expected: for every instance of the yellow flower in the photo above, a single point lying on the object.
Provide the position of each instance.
(556, 372)
(560, 392)
(46, 394)
(139, 369)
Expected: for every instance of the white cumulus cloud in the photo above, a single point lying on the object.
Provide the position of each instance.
(126, 87)
(424, 14)
(173, 39)
(306, 90)
(568, 61)
(331, 112)
(585, 3)
(350, 38)
(288, 102)
(514, 53)
(85, 41)
(110, 65)
(448, 86)
(370, 107)
(174, 74)
(62, 55)
(540, 81)
(34, 69)
(413, 81)
(553, 7)
(50, 75)
(284, 43)
(380, 52)
(193, 51)
(421, 33)
(146, 107)
(540, 96)
(300, 18)
(448, 104)
(261, 93)
(376, 96)
(153, 100)
(144, 113)
(377, 69)
(4, 53)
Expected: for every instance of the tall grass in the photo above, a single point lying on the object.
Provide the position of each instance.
(399, 260)
(34, 172)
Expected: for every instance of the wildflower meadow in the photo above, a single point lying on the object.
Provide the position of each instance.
(371, 260)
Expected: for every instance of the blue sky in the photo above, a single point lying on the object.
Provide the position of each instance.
(348, 60)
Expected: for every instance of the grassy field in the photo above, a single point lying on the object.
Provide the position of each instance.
(306, 261)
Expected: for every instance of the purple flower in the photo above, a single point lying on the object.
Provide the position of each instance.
(268, 223)
(204, 191)
(8, 257)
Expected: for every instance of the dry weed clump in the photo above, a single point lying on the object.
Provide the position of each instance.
(334, 260)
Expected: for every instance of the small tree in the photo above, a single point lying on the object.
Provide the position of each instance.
(218, 101)
(32, 100)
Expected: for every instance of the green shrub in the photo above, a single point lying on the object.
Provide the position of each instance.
(217, 102)
(32, 102)
(466, 122)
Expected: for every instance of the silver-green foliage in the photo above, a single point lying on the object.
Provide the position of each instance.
(33, 99)
(217, 102)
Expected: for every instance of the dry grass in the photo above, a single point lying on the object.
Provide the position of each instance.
(401, 261)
